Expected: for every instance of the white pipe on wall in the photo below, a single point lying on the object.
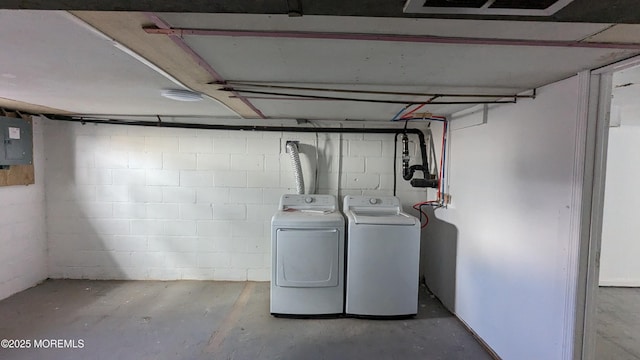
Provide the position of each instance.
(292, 147)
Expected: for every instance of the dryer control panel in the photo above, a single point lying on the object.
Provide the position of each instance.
(308, 201)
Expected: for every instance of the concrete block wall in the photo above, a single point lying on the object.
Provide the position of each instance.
(152, 203)
(23, 244)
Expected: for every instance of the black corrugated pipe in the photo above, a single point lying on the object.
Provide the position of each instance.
(409, 171)
(421, 137)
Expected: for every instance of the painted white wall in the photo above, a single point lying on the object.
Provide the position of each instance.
(505, 241)
(619, 265)
(152, 203)
(23, 244)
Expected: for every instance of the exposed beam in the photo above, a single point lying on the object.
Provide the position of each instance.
(29, 107)
(427, 39)
(177, 39)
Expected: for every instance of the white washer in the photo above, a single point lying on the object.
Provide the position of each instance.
(383, 255)
(307, 253)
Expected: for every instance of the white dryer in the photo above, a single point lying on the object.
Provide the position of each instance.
(383, 255)
(307, 251)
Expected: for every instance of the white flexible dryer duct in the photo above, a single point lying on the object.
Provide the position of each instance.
(297, 166)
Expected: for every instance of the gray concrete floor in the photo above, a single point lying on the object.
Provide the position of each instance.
(618, 324)
(213, 320)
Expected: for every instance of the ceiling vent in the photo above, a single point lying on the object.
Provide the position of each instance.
(486, 7)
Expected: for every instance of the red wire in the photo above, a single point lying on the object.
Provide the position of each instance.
(412, 111)
(419, 208)
(405, 116)
(415, 206)
(422, 226)
(426, 222)
(444, 132)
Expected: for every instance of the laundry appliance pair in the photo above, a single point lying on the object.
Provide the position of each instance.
(322, 268)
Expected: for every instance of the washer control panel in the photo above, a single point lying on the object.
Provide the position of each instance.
(307, 201)
(351, 201)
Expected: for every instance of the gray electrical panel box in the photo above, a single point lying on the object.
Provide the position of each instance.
(16, 142)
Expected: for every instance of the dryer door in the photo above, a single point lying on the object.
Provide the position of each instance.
(307, 257)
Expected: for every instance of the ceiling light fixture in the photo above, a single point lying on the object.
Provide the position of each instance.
(181, 95)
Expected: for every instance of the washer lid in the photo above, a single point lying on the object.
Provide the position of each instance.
(307, 218)
(382, 217)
